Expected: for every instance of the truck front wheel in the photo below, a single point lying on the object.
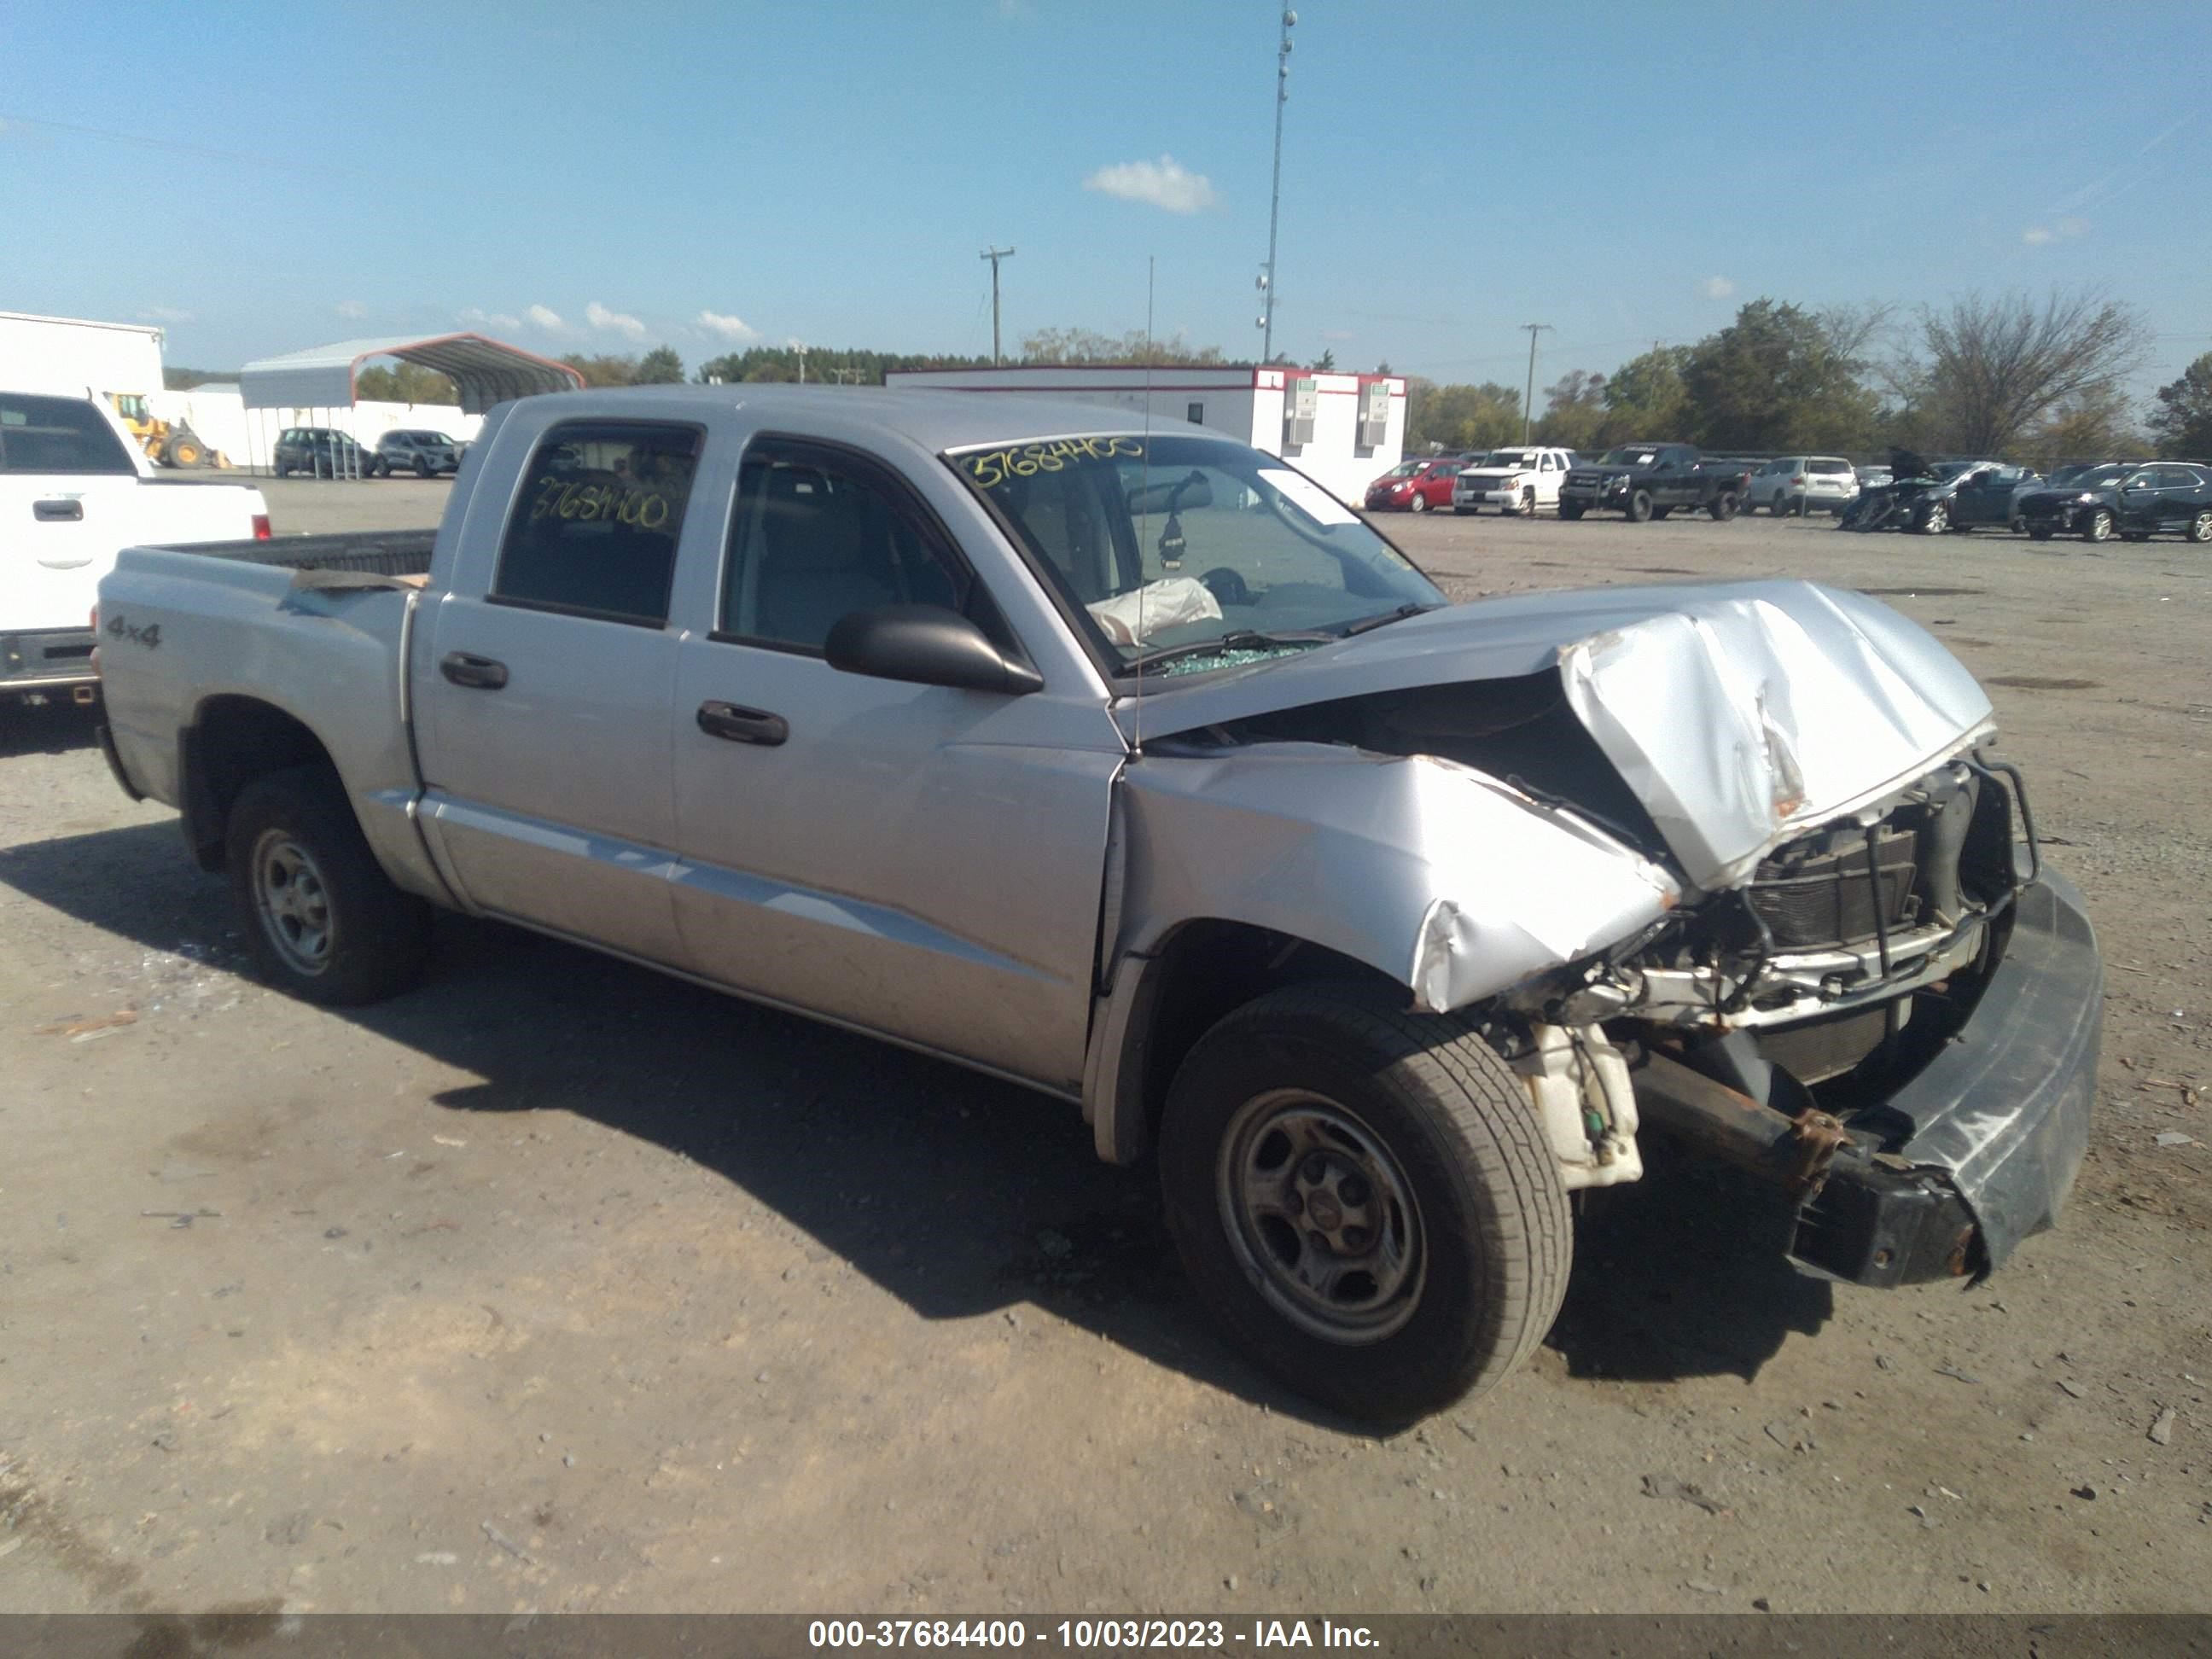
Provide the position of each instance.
(321, 919)
(1724, 506)
(1570, 510)
(1639, 507)
(1365, 1199)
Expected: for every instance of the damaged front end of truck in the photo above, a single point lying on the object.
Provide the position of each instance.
(1738, 864)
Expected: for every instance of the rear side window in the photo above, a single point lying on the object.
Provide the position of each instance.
(594, 527)
(57, 434)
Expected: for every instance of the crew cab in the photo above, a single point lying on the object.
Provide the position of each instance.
(1512, 481)
(1133, 766)
(1645, 481)
(74, 489)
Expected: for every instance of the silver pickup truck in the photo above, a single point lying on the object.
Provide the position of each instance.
(1131, 766)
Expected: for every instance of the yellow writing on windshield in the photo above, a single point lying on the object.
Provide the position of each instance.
(993, 467)
(647, 509)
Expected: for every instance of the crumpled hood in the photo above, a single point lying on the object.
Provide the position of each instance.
(1741, 714)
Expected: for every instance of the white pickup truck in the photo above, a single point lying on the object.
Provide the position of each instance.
(75, 491)
(1512, 481)
(1133, 766)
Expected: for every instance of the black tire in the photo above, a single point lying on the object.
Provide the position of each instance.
(1933, 520)
(1570, 510)
(1784, 506)
(422, 467)
(2040, 535)
(1639, 507)
(2098, 526)
(1724, 506)
(282, 470)
(375, 939)
(2200, 528)
(1659, 512)
(1527, 503)
(1491, 1237)
(1417, 502)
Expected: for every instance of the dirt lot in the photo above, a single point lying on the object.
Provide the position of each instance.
(558, 1285)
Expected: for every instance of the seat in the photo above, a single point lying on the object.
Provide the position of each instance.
(824, 551)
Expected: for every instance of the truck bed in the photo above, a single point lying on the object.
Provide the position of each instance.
(369, 552)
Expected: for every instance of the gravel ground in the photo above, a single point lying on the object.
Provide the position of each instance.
(558, 1285)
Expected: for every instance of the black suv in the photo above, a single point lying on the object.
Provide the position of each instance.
(322, 452)
(427, 453)
(2135, 500)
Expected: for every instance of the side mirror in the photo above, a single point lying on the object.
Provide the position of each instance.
(924, 645)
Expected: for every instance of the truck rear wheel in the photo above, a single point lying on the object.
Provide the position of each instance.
(322, 920)
(1365, 1199)
(1639, 507)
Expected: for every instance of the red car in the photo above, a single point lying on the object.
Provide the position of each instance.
(1415, 486)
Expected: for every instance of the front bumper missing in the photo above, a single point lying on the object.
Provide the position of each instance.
(1984, 1141)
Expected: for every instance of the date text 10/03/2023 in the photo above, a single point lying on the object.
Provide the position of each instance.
(1086, 1635)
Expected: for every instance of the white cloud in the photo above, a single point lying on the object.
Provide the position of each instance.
(546, 318)
(476, 314)
(1161, 184)
(2037, 236)
(351, 310)
(2040, 235)
(1337, 334)
(1012, 10)
(736, 330)
(614, 322)
(2073, 226)
(1716, 287)
(164, 315)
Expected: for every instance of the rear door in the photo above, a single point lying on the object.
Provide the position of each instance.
(547, 673)
(2180, 496)
(916, 861)
(69, 491)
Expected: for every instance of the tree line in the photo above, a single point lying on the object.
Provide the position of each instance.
(2041, 381)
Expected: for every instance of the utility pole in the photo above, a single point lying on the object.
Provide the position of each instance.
(1529, 398)
(1267, 283)
(995, 254)
(802, 350)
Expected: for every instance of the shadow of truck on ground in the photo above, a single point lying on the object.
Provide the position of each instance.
(957, 1193)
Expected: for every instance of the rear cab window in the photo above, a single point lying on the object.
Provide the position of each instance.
(58, 436)
(594, 527)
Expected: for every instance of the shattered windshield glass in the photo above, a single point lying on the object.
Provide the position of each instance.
(1188, 548)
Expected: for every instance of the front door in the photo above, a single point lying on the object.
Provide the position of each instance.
(543, 705)
(2138, 497)
(919, 861)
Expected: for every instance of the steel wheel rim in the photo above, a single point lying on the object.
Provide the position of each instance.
(1322, 1219)
(292, 902)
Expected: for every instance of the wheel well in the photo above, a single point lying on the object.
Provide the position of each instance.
(234, 741)
(1205, 971)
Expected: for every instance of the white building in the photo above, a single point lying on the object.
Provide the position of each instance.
(1343, 431)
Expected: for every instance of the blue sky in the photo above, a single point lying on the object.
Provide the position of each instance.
(704, 175)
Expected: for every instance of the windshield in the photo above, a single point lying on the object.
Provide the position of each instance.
(1629, 455)
(2090, 478)
(1510, 458)
(1172, 546)
(1952, 469)
(1404, 470)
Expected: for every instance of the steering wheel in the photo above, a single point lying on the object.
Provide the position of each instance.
(1226, 586)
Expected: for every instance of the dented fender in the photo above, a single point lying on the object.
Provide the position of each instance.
(1453, 883)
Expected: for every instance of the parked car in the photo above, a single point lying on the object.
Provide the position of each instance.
(424, 453)
(1512, 481)
(1415, 486)
(1649, 480)
(1404, 919)
(75, 491)
(1935, 497)
(322, 452)
(1803, 484)
(2134, 500)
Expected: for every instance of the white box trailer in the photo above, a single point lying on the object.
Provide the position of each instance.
(74, 356)
(1342, 430)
